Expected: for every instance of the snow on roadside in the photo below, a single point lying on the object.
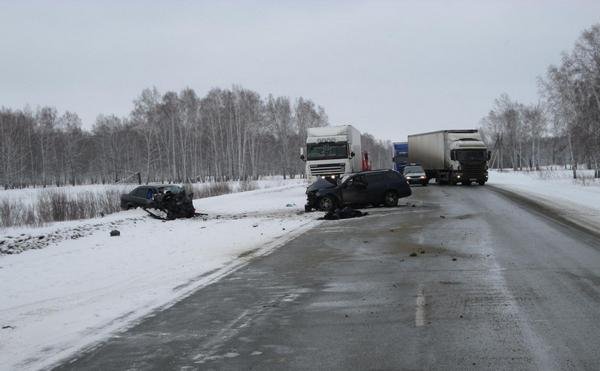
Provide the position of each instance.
(60, 299)
(556, 189)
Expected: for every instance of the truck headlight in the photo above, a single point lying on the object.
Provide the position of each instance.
(458, 176)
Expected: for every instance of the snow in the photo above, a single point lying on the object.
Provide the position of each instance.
(75, 292)
(577, 199)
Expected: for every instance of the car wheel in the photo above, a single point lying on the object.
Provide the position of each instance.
(391, 199)
(425, 183)
(326, 203)
(481, 182)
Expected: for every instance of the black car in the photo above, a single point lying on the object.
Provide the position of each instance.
(365, 188)
(143, 196)
(171, 199)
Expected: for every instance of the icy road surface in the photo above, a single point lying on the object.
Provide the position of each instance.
(492, 284)
(75, 292)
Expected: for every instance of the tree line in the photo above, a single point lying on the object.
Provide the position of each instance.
(228, 134)
(563, 127)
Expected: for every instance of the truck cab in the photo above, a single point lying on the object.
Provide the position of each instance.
(332, 151)
(468, 157)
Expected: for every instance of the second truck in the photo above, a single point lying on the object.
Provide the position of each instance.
(451, 156)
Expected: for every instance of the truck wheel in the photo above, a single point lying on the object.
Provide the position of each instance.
(326, 203)
(481, 182)
(391, 199)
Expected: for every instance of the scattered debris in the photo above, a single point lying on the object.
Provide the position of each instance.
(344, 213)
(413, 254)
(290, 205)
(453, 259)
(115, 233)
(5, 327)
(442, 216)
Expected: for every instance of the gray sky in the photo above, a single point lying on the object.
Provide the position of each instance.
(389, 68)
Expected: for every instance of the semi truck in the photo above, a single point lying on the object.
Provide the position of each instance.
(332, 151)
(451, 156)
(400, 155)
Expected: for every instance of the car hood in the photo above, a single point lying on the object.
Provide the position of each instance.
(414, 175)
(320, 184)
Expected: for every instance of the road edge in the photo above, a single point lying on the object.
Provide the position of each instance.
(543, 207)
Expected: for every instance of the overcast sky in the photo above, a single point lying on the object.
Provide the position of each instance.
(389, 68)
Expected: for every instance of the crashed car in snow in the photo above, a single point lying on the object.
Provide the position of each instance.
(375, 188)
(170, 201)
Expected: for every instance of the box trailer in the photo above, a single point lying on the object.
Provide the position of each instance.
(451, 156)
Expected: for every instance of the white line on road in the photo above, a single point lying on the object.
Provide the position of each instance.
(420, 309)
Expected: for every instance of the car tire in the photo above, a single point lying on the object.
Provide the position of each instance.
(481, 182)
(391, 199)
(327, 203)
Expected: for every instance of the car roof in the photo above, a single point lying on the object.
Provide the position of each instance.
(374, 171)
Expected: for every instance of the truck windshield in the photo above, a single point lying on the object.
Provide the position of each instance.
(326, 150)
(471, 155)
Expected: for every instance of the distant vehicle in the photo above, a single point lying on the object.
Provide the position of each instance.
(332, 151)
(171, 199)
(400, 155)
(374, 187)
(451, 156)
(415, 174)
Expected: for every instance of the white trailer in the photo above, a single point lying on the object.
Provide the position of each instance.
(451, 156)
(332, 151)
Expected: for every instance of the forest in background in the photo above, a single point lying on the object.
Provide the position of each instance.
(563, 127)
(229, 134)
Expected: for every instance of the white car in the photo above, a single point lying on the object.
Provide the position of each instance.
(415, 174)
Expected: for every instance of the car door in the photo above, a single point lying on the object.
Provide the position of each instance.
(139, 196)
(377, 188)
(355, 190)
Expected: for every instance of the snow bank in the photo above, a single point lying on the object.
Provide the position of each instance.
(577, 199)
(72, 294)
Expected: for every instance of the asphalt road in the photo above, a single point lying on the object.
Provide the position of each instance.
(495, 284)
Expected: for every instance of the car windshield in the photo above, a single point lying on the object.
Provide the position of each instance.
(326, 150)
(345, 178)
(413, 169)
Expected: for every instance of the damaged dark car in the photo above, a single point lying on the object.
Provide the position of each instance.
(168, 201)
(378, 187)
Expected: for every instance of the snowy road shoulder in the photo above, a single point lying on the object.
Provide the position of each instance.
(573, 201)
(75, 293)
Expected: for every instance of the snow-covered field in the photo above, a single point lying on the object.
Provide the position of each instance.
(577, 199)
(77, 290)
(38, 206)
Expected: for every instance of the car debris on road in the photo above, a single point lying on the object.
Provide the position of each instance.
(344, 213)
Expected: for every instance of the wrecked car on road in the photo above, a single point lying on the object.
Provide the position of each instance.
(376, 187)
